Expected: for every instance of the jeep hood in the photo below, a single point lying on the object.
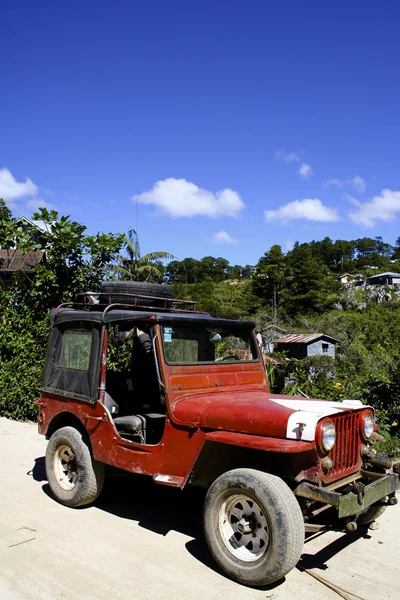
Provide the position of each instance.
(256, 412)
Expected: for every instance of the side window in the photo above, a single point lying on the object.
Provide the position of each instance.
(75, 350)
(73, 361)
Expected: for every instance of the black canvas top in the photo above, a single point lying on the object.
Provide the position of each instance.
(64, 315)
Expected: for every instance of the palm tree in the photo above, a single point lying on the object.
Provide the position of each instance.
(135, 267)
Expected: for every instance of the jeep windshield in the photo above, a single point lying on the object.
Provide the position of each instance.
(207, 344)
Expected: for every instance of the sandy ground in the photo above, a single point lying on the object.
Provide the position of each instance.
(143, 541)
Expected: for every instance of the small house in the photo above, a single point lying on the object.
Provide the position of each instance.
(349, 278)
(268, 334)
(384, 279)
(12, 260)
(306, 344)
(346, 278)
(35, 229)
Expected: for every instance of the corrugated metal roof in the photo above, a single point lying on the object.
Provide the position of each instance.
(302, 338)
(15, 260)
(388, 274)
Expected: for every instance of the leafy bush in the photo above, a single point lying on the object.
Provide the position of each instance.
(74, 262)
(23, 337)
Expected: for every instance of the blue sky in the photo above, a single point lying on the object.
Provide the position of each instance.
(234, 125)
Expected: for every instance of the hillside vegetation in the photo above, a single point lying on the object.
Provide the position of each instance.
(298, 291)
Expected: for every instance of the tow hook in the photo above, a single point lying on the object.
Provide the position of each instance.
(358, 488)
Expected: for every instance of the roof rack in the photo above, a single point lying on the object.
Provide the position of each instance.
(91, 301)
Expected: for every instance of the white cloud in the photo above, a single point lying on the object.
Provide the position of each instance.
(337, 182)
(357, 183)
(287, 156)
(221, 237)
(37, 203)
(304, 170)
(352, 200)
(385, 207)
(309, 209)
(11, 189)
(181, 198)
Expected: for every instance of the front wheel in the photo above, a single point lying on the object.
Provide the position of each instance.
(253, 526)
(74, 477)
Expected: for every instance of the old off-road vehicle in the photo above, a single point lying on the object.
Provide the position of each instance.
(145, 383)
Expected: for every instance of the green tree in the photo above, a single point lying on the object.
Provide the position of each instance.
(7, 226)
(366, 246)
(74, 262)
(396, 250)
(227, 299)
(191, 270)
(135, 267)
(343, 252)
(269, 279)
(308, 285)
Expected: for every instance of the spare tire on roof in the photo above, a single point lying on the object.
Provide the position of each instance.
(115, 292)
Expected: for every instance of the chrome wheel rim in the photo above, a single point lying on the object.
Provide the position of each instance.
(243, 527)
(66, 467)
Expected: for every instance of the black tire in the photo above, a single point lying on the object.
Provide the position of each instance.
(275, 516)
(113, 291)
(78, 481)
(370, 514)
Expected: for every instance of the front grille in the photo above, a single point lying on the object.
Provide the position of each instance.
(345, 454)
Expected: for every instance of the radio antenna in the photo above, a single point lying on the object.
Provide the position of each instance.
(137, 215)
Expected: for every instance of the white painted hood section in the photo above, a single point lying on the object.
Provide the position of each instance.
(309, 412)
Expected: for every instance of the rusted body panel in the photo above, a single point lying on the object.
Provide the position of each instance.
(110, 448)
(266, 444)
(245, 411)
(186, 441)
(224, 403)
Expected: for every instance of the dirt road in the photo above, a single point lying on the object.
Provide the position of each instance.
(143, 541)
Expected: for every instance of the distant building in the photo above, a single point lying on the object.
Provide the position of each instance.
(12, 259)
(306, 344)
(268, 334)
(35, 228)
(384, 279)
(346, 278)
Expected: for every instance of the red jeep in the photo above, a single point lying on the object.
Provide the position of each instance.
(145, 383)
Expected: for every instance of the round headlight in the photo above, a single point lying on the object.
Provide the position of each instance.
(369, 424)
(328, 436)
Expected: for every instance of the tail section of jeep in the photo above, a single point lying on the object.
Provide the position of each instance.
(142, 382)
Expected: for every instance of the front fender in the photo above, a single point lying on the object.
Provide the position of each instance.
(256, 442)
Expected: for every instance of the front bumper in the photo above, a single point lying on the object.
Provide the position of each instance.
(360, 496)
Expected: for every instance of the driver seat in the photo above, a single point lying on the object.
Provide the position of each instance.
(132, 424)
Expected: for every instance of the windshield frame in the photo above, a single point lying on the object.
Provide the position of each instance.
(252, 340)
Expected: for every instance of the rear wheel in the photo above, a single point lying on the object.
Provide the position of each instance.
(74, 477)
(253, 526)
